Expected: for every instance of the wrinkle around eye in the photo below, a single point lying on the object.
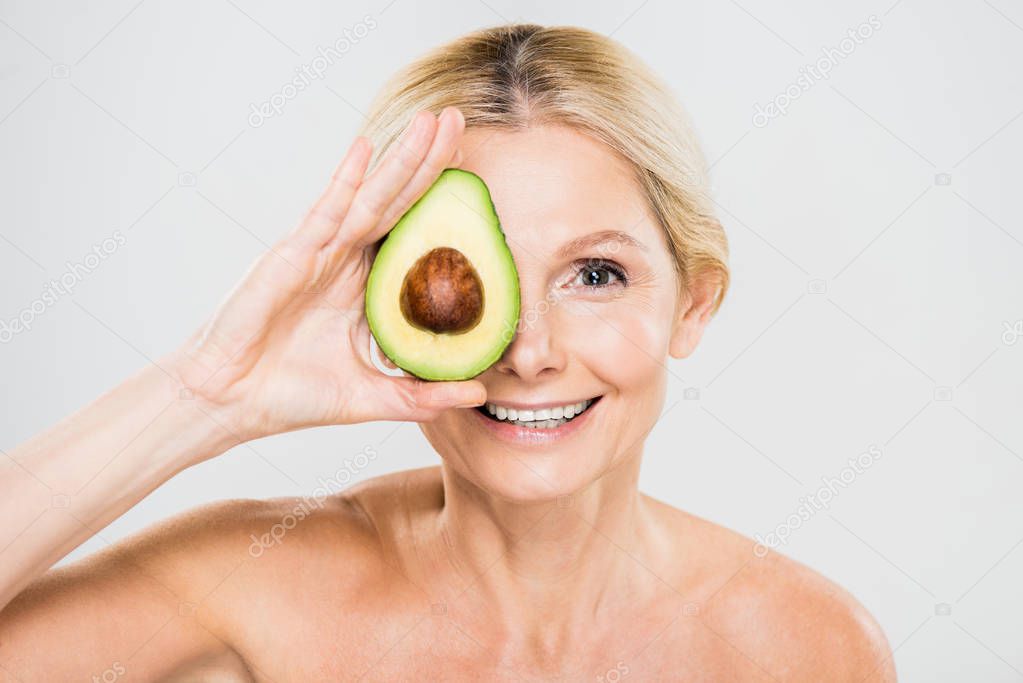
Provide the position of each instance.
(618, 274)
(641, 292)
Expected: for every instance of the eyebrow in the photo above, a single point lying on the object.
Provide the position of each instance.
(595, 239)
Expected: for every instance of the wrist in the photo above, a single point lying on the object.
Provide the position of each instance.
(207, 423)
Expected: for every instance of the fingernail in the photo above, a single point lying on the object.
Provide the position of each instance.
(473, 404)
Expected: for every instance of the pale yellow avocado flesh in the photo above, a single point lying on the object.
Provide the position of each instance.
(456, 212)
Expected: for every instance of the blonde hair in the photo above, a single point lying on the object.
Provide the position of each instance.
(520, 75)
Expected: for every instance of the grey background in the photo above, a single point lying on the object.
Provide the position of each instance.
(875, 232)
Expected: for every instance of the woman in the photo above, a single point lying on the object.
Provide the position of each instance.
(528, 553)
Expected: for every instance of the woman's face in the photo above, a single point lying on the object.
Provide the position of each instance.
(599, 311)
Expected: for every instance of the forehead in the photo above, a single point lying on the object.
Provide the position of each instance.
(555, 183)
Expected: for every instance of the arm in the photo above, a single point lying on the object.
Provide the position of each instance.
(64, 485)
(288, 349)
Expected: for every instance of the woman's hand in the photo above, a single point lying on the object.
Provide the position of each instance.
(289, 348)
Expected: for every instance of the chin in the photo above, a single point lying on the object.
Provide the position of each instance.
(527, 461)
(525, 480)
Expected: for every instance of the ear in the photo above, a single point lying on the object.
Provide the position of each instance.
(694, 311)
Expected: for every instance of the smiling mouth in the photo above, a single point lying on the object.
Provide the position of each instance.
(542, 418)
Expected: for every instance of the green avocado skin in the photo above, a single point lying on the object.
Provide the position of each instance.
(484, 352)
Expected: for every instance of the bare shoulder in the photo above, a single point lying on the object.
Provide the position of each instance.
(788, 619)
(177, 596)
(824, 631)
(345, 535)
(194, 553)
(214, 586)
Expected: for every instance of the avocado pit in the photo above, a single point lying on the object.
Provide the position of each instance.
(442, 293)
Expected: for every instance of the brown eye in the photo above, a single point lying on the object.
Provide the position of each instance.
(597, 277)
(600, 274)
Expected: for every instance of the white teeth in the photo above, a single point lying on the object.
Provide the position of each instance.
(541, 424)
(544, 418)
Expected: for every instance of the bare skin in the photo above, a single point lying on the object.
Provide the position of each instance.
(512, 560)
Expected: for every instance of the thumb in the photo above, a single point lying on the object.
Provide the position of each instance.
(420, 401)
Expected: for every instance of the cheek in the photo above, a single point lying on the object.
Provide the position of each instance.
(624, 342)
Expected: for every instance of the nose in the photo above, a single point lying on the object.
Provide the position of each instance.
(534, 353)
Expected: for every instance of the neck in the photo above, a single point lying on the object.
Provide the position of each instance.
(547, 570)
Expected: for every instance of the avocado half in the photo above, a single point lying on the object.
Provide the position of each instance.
(442, 298)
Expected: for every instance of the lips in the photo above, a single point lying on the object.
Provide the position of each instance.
(535, 431)
(537, 418)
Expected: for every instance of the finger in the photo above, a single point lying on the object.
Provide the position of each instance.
(363, 339)
(441, 155)
(283, 270)
(387, 362)
(443, 152)
(383, 184)
(271, 283)
(409, 398)
(326, 215)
